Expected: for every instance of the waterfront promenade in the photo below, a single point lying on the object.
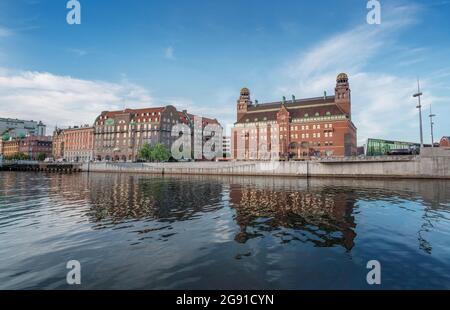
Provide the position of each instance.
(432, 164)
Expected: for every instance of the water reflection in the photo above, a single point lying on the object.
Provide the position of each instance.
(257, 229)
(319, 211)
(323, 217)
(120, 198)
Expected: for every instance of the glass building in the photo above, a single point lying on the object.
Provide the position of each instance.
(379, 147)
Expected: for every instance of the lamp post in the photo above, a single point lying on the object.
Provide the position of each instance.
(418, 95)
(432, 125)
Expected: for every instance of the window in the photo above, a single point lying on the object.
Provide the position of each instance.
(306, 115)
(314, 126)
(317, 114)
(328, 113)
(318, 126)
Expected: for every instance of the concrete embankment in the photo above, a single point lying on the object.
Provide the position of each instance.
(432, 164)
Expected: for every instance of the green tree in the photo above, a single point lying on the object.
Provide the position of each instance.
(158, 153)
(17, 156)
(161, 153)
(41, 156)
(145, 152)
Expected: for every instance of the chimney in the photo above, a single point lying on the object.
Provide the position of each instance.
(293, 98)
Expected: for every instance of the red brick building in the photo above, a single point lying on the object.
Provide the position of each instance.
(297, 128)
(79, 144)
(119, 135)
(445, 142)
(33, 146)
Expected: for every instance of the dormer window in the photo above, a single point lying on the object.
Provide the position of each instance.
(306, 115)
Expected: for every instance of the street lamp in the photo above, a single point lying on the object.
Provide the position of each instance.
(418, 95)
(432, 125)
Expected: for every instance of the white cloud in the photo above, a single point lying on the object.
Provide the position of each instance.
(382, 103)
(63, 100)
(169, 53)
(78, 51)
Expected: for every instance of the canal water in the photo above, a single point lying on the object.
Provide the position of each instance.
(206, 232)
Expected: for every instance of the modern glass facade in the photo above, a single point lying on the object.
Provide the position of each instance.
(379, 147)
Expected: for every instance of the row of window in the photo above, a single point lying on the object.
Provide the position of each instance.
(306, 127)
(313, 135)
(306, 115)
(142, 115)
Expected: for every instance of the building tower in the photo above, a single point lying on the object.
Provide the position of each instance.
(243, 103)
(41, 129)
(343, 94)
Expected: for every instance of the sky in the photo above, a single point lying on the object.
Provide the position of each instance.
(198, 54)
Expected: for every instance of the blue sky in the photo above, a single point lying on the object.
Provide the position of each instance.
(198, 54)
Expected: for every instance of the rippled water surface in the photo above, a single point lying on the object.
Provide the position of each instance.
(149, 232)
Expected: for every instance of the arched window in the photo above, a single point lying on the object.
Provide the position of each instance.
(317, 114)
(306, 115)
(328, 113)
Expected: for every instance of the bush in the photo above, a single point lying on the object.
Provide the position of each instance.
(41, 156)
(18, 156)
(157, 153)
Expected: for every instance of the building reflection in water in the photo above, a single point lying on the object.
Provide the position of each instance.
(320, 211)
(118, 198)
(323, 217)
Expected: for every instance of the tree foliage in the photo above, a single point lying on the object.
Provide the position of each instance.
(18, 156)
(41, 156)
(157, 153)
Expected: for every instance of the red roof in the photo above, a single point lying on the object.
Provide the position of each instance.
(297, 109)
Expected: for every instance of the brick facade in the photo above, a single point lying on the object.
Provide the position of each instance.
(32, 146)
(10, 148)
(297, 129)
(79, 144)
(119, 135)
